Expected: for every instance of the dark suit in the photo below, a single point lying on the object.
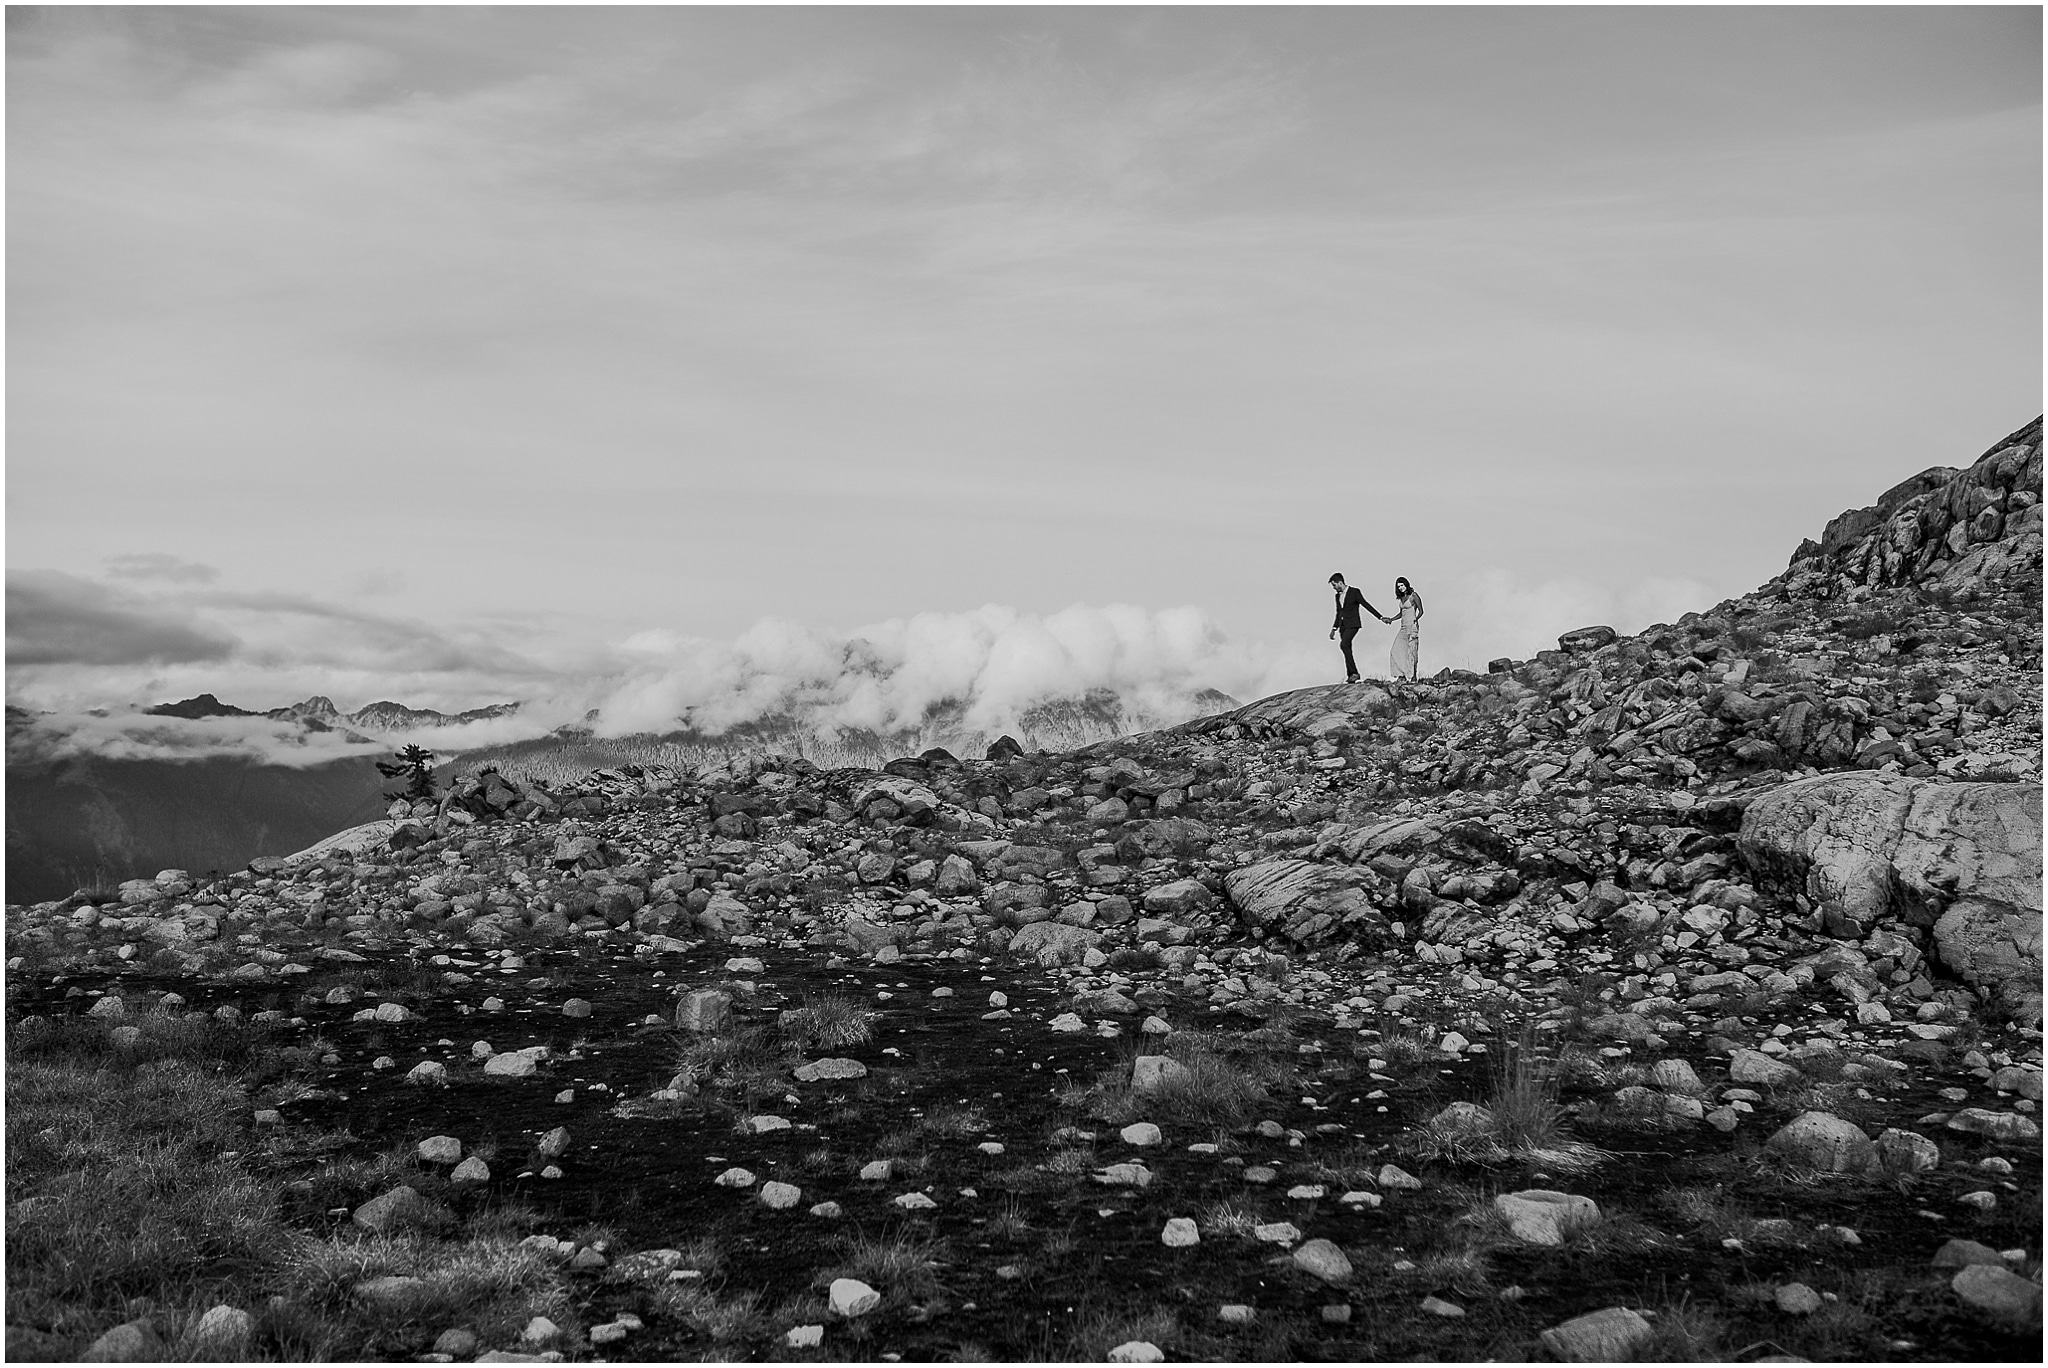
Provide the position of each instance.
(1347, 624)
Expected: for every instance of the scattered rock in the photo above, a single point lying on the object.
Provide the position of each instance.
(1614, 1335)
(850, 1298)
(1539, 1216)
(1324, 1260)
(1825, 1142)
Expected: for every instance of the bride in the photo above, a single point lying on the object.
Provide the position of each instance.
(1407, 648)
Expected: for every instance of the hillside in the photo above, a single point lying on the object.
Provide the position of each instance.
(1662, 996)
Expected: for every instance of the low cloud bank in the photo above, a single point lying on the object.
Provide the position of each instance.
(960, 674)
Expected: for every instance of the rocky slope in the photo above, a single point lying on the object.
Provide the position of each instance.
(1792, 839)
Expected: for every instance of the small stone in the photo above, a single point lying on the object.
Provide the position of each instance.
(827, 1211)
(877, 1170)
(1137, 1351)
(767, 1122)
(804, 1336)
(734, 1178)
(1337, 1314)
(1156, 1026)
(440, 1149)
(577, 1008)
(1142, 1134)
(610, 1333)
(1437, 1306)
(1235, 1313)
(588, 1258)
(780, 1196)
(1124, 1175)
(850, 1297)
(428, 1074)
(460, 1342)
(539, 1329)
(1797, 1299)
(1398, 1180)
(223, 1334)
(1276, 1232)
(915, 1201)
(554, 1144)
(745, 965)
(1322, 1259)
(392, 1013)
(1066, 1023)
(1901, 1152)
(1180, 1233)
(1979, 1201)
(513, 1065)
(471, 1170)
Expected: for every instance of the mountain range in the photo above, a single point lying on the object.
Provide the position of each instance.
(318, 713)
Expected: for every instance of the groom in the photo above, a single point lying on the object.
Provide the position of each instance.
(1349, 601)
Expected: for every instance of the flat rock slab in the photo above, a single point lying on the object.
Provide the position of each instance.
(1310, 904)
(829, 1070)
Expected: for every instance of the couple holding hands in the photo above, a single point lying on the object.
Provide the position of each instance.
(1403, 658)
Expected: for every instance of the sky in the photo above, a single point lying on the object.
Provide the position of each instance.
(623, 357)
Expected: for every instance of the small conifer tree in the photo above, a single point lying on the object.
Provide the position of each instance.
(415, 765)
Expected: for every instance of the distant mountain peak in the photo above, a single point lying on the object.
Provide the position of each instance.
(201, 705)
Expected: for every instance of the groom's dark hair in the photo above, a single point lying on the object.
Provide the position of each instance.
(1336, 576)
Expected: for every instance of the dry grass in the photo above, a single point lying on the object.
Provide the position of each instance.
(830, 1022)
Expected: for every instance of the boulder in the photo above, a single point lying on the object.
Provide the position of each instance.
(400, 1209)
(706, 1010)
(1999, 1294)
(1754, 1066)
(1054, 944)
(1539, 1216)
(1310, 904)
(1826, 1142)
(1586, 639)
(1611, 1336)
(1964, 1253)
(1178, 899)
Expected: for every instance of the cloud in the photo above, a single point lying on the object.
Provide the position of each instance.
(158, 566)
(132, 736)
(59, 619)
(987, 665)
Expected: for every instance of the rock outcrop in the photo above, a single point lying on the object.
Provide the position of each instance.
(1870, 848)
(1973, 529)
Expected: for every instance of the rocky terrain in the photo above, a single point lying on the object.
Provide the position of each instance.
(1665, 996)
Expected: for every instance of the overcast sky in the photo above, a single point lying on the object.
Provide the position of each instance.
(447, 353)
